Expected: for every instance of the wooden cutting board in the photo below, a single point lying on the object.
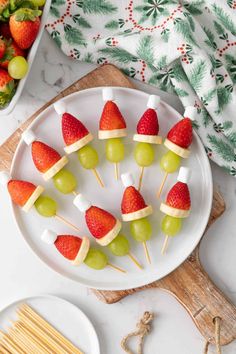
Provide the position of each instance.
(189, 283)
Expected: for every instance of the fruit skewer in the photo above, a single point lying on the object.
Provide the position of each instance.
(176, 207)
(105, 228)
(178, 141)
(112, 127)
(147, 135)
(77, 250)
(134, 209)
(77, 138)
(26, 195)
(50, 163)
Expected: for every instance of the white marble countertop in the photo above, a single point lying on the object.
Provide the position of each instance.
(22, 274)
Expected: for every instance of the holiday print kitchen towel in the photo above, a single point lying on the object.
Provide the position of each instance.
(184, 47)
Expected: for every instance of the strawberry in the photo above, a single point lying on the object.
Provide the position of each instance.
(5, 30)
(132, 201)
(148, 123)
(68, 246)
(12, 50)
(24, 26)
(111, 117)
(2, 47)
(99, 221)
(72, 129)
(7, 87)
(182, 133)
(179, 196)
(20, 191)
(44, 156)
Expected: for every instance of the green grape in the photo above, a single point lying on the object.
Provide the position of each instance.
(88, 157)
(96, 259)
(46, 206)
(170, 162)
(119, 246)
(17, 67)
(170, 225)
(144, 154)
(115, 150)
(38, 2)
(65, 181)
(141, 229)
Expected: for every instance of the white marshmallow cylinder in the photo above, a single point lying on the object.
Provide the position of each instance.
(82, 203)
(60, 107)
(184, 174)
(28, 136)
(108, 94)
(153, 101)
(49, 236)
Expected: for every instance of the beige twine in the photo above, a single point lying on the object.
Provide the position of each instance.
(217, 337)
(143, 328)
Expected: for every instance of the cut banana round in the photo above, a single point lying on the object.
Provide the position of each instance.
(176, 213)
(178, 150)
(32, 199)
(83, 251)
(151, 139)
(109, 134)
(55, 168)
(78, 144)
(108, 238)
(139, 214)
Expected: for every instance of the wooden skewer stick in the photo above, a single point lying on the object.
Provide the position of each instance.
(75, 193)
(140, 179)
(165, 244)
(68, 223)
(162, 185)
(57, 336)
(116, 164)
(27, 345)
(135, 260)
(116, 268)
(146, 252)
(8, 342)
(98, 177)
(3, 350)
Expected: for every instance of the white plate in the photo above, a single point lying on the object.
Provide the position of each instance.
(87, 106)
(30, 60)
(68, 319)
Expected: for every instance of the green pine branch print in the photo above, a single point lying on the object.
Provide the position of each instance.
(183, 27)
(178, 73)
(224, 96)
(208, 97)
(119, 55)
(222, 148)
(102, 7)
(219, 29)
(206, 118)
(54, 7)
(145, 50)
(194, 7)
(112, 24)
(210, 41)
(73, 35)
(81, 21)
(162, 62)
(180, 92)
(224, 18)
(197, 75)
(227, 125)
(232, 138)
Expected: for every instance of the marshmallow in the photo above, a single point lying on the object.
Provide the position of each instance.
(60, 107)
(108, 94)
(49, 237)
(4, 178)
(153, 101)
(184, 174)
(190, 112)
(81, 203)
(127, 179)
(28, 136)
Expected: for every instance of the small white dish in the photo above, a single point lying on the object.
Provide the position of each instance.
(65, 317)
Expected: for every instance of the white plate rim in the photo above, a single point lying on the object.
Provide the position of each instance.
(206, 216)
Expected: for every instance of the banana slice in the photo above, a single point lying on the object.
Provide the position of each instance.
(83, 251)
(176, 213)
(151, 139)
(105, 240)
(184, 153)
(139, 214)
(32, 199)
(55, 168)
(78, 144)
(109, 134)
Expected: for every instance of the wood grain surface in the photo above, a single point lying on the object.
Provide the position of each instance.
(189, 283)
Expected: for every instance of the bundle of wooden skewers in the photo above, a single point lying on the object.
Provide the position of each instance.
(31, 334)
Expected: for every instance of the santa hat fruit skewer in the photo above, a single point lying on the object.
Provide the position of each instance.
(50, 163)
(77, 138)
(178, 142)
(105, 228)
(112, 127)
(134, 209)
(77, 250)
(176, 207)
(26, 195)
(147, 135)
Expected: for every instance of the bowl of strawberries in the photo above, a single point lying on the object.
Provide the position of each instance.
(21, 27)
